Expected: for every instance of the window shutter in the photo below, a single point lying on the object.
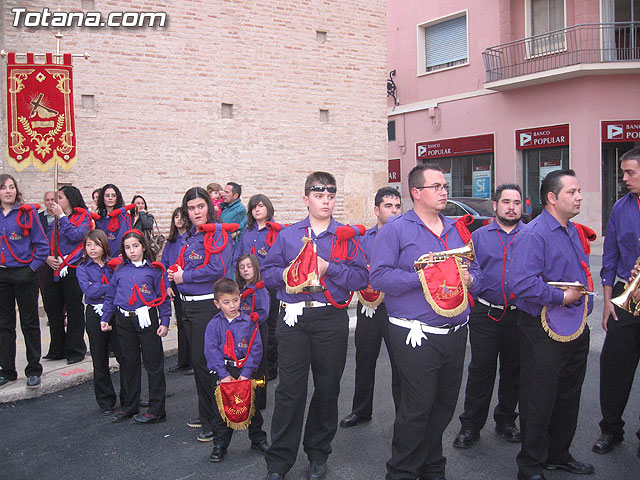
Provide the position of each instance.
(446, 42)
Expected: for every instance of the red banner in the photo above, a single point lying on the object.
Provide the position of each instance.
(235, 403)
(41, 128)
(443, 287)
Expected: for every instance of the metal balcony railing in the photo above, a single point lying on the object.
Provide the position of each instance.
(586, 43)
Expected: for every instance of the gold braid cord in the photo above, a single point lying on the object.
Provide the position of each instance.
(311, 277)
(233, 425)
(564, 338)
(437, 308)
(373, 304)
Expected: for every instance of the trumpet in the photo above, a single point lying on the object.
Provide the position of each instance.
(577, 285)
(625, 299)
(260, 382)
(467, 252)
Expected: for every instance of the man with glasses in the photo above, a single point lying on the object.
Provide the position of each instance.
(313, 328)
(428, 322)
(493, 326)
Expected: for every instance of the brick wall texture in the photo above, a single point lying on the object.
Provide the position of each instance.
(156, 127)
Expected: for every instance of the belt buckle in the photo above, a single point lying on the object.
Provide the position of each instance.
(308, 303)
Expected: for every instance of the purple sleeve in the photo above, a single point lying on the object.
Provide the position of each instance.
(164, 310)
(274, 264)
(352, 274)
(39, 241)
(91, 288)
(254, 357)
(218, 267)
(213, 351)
(263, 304)
(108, 306)
(74, 234)
(610, 253)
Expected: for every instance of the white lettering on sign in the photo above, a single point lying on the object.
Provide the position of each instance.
(548, 140)
(440, 151)
(393, 176)
(543, 133)
(633, 135)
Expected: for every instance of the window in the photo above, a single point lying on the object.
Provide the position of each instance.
(546, 16)
(537, 164)
(443, 43)
(391, 130)
(468, 175)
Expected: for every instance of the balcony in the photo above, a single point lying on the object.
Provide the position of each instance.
(587, 49)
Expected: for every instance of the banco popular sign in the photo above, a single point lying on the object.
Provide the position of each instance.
(621, 131)
(541, 137)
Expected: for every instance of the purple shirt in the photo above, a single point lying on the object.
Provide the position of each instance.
(621, 243)
(172, 250)
(199, 281)
(253, 239)
(89, 276)
(32, 249)
(147, 278)
(494, 254)
(545, 251)
(70, 236)
(366, 242)
(398, 244)
(262, 303)
(114, 237)
(340, 278)
(215, 338)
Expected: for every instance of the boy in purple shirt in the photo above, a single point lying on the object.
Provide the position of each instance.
(232, 330)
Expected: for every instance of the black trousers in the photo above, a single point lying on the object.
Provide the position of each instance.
(99, 344)
(618, 364)
(489, 340)
(272, 342)
(184, 353)
(65, 293)
(430, 378)
(19, 285)
(260, 396)
(221, 432)
(134, 340)
(318, 341)
(195, 317)
(551, 376)
(368, 339)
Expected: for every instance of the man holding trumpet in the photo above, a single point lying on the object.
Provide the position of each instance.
(554, 337)
(621, 349)
(428, 314)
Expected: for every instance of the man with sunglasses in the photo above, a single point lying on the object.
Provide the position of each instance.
(312, 330)
(428, 343)
(493, 327)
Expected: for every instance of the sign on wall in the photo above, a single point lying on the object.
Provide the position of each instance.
(453, 147)
(541, 137)
(621, 131)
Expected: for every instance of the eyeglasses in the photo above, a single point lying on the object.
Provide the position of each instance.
(323, 188)
(436, 186)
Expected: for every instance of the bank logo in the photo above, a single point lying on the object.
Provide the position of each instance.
(614, 132)
(525, 139)
(422, 149)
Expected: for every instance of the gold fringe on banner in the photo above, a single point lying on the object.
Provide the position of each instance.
(437, 308)
(564, 338)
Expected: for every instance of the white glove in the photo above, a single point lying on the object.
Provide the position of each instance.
(143, 317)
(291, 312)
(368, 311)
(416, 334)
(63, 271)
(98, 309)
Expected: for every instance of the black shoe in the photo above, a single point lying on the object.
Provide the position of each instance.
(194, 423)
(149, 418)
(189, 372)
(106, 411)
(4, 381)
(205, 437)
(72, 361)
(317, 469)
(274, 476)
(178, 368)
(606, 443)
(352, 420)
(143, 404)
(538, 476)
(121, 417)
(509, 432)
(217, 454)
(50, 356)
(260, 446)
(573, 466)
(466, 438)
(33, 381)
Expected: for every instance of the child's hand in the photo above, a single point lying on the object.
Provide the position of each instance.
(162, 331)
(227, 379)
(105, 327)
(241, 377)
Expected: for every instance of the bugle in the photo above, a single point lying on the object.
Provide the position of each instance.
(467, 252)
(625, 299)
(577, 285)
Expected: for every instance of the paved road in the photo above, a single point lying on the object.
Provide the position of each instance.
(63, 436)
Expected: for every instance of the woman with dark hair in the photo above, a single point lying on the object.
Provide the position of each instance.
(175, 241)
(24, 249)
(140, 219)
(61, 290)
(95, 197)
(114, 219)
(256, 240)
(205, 258)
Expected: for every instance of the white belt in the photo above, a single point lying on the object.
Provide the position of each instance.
(195, 298)
(417, 329)
(491, 305)
(293, 310)
(127, 313)
(305, 304)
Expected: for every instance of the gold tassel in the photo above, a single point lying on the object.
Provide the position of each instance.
(564, 338)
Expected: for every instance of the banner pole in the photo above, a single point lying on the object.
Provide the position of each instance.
(57, 59)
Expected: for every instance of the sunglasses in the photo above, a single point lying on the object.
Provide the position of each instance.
(323, 188)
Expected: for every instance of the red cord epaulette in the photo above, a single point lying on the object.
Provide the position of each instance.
(113, 224)
(461, 226)
(95, 216)
(135, 290)
(586, 235)
(27, 210)
(272, 234)
(115, 262)
(340, 241)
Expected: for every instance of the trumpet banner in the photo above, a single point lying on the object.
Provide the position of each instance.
(303, 269)
(443, 287)
(236, 402)
(41, 127)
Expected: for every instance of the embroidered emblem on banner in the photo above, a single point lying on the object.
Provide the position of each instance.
(41, 128)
